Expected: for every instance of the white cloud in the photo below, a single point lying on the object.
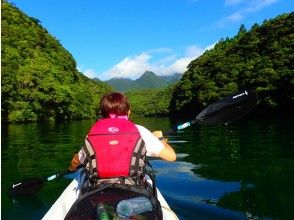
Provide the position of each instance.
(258, 5)
(209, 47)
(233, 18)
(88, 72)
(245, 8)
(162, 61)
(129, 66)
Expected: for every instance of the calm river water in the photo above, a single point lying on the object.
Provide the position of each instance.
(238, 171)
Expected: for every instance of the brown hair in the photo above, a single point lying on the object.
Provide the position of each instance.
(114, 103)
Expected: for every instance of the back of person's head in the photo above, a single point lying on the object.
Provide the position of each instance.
(114, 103)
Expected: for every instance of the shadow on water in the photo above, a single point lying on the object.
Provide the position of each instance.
(257, 155)
(36, 149)
(20, 206)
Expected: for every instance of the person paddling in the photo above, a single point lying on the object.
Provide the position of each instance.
(115, 148)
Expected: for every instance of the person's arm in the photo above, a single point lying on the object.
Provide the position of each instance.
(167, 152)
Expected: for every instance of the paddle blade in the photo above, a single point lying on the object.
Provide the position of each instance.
(228, 109)
(27, 187)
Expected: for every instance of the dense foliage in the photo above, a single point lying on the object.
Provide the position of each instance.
(261, 59)
(151, 102)
(39, 79)
(149, 80)
(120, 84)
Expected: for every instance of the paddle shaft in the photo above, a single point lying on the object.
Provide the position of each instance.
(32, 185)
(226, 110)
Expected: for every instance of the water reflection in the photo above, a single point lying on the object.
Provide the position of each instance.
(240, 171)
(251, 162)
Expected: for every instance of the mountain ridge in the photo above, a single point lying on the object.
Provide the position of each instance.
(148, 80)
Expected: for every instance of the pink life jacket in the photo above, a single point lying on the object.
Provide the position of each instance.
(115, 149)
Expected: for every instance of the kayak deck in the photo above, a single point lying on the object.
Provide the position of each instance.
(64, 203)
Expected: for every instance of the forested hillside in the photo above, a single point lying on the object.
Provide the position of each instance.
(39, 78)
(150, 102)
(120, 84)
(148, 80)
(261, 58)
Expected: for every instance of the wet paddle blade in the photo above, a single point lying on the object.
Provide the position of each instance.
(32, 185)
(27, 187)
(228, 109)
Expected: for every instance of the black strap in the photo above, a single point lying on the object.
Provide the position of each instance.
(89, 160)
(135, 170)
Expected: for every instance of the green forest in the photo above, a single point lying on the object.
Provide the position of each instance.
(261, 59)
(151, 102)
(40, 80)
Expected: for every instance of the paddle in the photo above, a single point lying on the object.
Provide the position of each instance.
(32, 185)
(226, 110)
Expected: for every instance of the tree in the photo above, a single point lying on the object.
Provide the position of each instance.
(261, 59)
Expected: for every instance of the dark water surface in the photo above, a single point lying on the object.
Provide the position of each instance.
(239, 171)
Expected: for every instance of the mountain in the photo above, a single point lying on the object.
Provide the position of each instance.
(148, 80)
(172, 78)
(39, 77)
(120, 84)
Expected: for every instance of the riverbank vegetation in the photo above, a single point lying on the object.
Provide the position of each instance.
(40, 80)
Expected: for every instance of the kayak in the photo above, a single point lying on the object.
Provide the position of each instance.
(64, 203)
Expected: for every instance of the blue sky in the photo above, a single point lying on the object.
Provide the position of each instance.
(124, 38)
